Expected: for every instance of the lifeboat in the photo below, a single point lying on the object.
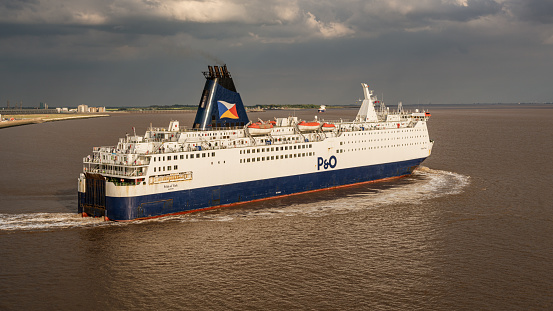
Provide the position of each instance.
(328, 127)
(308, 126)
(260, 128)
(427, 114)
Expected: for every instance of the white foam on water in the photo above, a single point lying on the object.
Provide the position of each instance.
(47, 221)
(425, 184)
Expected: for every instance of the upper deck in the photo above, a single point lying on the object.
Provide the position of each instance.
(132, 154)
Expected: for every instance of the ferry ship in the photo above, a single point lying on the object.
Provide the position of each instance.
(224, 158)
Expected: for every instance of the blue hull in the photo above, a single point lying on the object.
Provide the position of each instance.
(155, 205)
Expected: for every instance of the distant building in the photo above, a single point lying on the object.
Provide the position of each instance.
(96, 109)
(43, 106)
(86, 109)
(82, 108)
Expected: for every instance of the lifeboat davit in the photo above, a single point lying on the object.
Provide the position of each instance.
(328, 127)
(308, 126)
(260, 128)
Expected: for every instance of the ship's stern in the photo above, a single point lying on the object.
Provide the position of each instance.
(92, 195)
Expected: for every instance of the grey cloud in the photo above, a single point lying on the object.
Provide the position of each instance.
(18, 5)
(128, 53)
(452, 12)
(535, 11)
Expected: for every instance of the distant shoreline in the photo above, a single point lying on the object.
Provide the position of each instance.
(36, 119)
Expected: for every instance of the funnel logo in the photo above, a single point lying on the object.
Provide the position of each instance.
(227, 110)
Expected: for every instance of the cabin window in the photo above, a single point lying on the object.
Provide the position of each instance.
(154, 169)
(197, 155)
(213, 154)
(174, 157)
(175, 167)
(203, 155)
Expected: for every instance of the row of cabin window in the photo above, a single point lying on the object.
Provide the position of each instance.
(278, 148)
(379, 132)
(377, 147)
(162, 168)
(188, 156)
(370, 140)
(277, 157)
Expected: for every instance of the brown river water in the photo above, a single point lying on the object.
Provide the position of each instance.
(471, 230)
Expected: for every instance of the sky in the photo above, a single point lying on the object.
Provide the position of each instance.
(152, 52)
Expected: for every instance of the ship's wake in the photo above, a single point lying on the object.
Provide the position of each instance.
(47, 221)
(423, 185)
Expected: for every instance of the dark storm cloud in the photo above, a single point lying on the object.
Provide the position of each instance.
(473, 10)
(152, 52)
(537, 11)
(17, 5)
(17, 30)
